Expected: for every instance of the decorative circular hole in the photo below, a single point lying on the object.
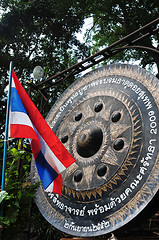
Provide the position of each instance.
(116, 117)
(102, 169)
(98, 107)
(64, 139)
(78, 176)
(78, 117)
(118, 144)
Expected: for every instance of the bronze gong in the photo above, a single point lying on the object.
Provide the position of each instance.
(108, 120)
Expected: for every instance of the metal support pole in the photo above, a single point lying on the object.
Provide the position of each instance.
(6, 129)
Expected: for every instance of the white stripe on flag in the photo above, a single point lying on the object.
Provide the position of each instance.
(13, 84)
(20, 118)
(50, 156)
(50, 187)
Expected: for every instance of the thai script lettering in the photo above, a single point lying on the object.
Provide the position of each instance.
(92, 228)
(141, 94)
(151, 149)
(62, 206)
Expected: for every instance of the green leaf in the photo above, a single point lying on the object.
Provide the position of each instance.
(3, 196)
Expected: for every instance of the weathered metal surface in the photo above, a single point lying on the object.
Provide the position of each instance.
(108, 120)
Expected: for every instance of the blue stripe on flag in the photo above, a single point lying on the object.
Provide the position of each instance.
(46, 172)
(16, 103)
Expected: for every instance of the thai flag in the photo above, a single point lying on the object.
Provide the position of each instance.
(25, 121)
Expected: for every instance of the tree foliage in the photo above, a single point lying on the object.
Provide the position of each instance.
(114, 20)
(17, 197)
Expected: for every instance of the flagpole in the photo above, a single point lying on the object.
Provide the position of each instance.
(6, 129)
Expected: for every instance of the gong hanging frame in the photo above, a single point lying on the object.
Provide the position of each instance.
(108, 121)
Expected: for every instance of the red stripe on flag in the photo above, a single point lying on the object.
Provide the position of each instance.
(57, 188)
(24, 131)
(42, 127)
